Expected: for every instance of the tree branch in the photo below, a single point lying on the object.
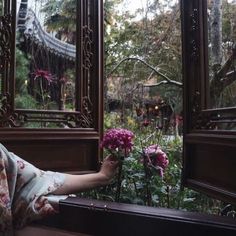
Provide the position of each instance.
(222, 72)
(156, 70)
(229, 78)
(157, 84)
(223, 78)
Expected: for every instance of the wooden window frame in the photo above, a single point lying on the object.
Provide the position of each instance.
(209, 153)
(74, 149)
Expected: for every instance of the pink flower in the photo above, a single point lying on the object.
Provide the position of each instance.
(146, 123)
(43, 74)
(119, 140)
(156, 158)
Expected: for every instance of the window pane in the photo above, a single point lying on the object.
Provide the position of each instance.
(222, 53)
(45, 55)
(1, 7)
(1, 66)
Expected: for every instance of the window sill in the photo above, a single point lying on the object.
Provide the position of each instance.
(108, 218)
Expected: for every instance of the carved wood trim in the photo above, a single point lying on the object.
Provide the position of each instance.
(5, 40)
(194, 45)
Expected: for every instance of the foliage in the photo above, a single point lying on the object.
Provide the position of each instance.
(22, 72)
(166, 191)
(23, 100)
(61, 18)
(148, 39)
(1, 8)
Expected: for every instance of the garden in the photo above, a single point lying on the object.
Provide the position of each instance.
(143, 99)
(151, 168)
(143, 91)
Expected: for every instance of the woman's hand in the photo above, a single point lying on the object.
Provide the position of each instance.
(109, 168)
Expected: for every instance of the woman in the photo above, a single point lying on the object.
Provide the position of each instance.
(28, 193)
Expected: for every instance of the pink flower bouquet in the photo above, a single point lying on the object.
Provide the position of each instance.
(118, 142)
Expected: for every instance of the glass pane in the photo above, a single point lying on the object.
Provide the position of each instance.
(1, 51)
(222, 52)
(1, 7)
(45, 55)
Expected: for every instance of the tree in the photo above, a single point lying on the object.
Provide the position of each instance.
(216, 34)
(144, 50)
(1, 8)
(223, 52)
(23, 99)
(60, 17)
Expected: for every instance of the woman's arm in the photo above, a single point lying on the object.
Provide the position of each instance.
(77, 183)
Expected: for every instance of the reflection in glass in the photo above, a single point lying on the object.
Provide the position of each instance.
(1, 7)
(1, 66)
(222, 52)
(45, 55)
(1, 13)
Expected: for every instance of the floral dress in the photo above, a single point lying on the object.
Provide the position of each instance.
(24, 191)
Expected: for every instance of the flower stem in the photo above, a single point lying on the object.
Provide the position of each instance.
(168, 196)
(148, 192)
(147, 180)
(119, 180)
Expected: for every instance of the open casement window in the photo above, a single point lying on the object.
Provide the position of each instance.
(68, 140)
(62, 130)
(209, 100)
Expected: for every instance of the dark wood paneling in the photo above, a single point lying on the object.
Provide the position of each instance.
(213, 164)
(58, 155)
(212, 167)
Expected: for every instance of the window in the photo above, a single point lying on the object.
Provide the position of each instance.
(209, 159)
(61, 133)
(209, 146)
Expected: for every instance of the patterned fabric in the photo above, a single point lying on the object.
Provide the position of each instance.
(24, 191)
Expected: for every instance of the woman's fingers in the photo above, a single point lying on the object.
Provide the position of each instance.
(111, 158)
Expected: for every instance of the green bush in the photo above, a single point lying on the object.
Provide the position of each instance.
(25, 102)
